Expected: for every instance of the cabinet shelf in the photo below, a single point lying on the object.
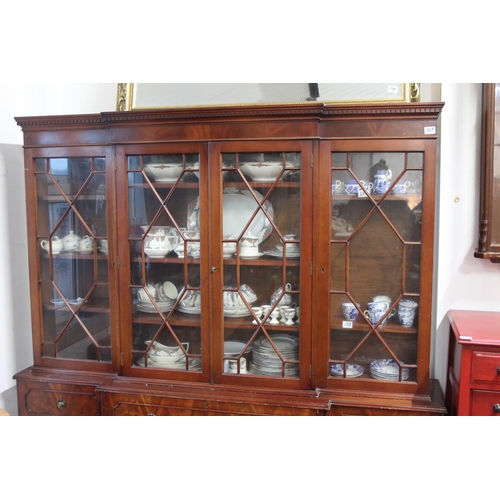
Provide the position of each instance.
(261, 261)
(76, 255)
(85, 309)
(411, 199)
(237, 184)
(58, 198)
(165, 185)
(359, 325)
(182, 319)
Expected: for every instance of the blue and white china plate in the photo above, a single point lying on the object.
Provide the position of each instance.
(352, 371)
(387, 369)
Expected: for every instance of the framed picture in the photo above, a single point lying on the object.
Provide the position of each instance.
(134, 96)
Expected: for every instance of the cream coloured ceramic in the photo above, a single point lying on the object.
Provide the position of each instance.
(57, 245)
(262, 171)
(71, 241)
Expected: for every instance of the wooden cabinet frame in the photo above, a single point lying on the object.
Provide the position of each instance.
(312, 129)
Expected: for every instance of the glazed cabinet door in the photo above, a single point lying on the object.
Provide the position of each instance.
(70, 192)
(261, 228)
(376, 210)
(163, 233)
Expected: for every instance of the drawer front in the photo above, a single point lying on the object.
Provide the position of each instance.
(485, 403)
(61, 402)
(124, 409)
(139, 405)
(485, 367)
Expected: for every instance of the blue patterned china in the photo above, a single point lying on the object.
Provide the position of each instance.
(407, 310)
(387, 369)
(350, 311)
(351, 187)
(375, 311)
(382, 181)
(400, 187)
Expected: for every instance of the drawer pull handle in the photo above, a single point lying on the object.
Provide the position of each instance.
(498, 370)
(61, 404)
(151, 415)
(496, 408)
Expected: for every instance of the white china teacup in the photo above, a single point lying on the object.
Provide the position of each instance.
(170, 290)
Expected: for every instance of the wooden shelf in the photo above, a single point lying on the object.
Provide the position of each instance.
(360, 325)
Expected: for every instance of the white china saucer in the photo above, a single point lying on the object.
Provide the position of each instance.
(248, 257)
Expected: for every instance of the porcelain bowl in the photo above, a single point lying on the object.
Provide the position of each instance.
(162, 353)
(262, 171)
(163, 172)
(156, 252)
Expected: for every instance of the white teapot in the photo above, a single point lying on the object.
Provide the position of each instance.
(71, 241)
(57, 245)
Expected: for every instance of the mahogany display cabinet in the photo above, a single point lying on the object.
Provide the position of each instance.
(240, 260)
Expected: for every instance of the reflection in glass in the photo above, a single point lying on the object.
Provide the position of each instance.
(164, 258)
(72, 232)
(261, 250)
(375, 262)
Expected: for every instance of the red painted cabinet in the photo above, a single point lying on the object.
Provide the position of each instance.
(473, 382)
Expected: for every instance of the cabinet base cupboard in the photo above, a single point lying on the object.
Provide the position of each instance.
(240, 260)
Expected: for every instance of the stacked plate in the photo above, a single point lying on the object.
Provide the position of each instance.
(163, 306)
(194, 364)
(265, 360)
(190, 302)
(189, 309)
(292, 251)
(352, 371)
(387, 369)
(279, 253)
(234, 306)
(236, 312)
(235, 348)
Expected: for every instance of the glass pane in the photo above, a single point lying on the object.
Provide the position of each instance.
(375, 264)
(261, 250)
(72, 229)
(165, 261)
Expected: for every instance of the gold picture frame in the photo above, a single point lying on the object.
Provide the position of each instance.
(136, 96)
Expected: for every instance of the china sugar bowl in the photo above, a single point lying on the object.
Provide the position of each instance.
(249, 245)
(71, 241)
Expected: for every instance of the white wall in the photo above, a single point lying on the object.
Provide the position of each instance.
(27, 99)
(461, 280)
(33, 99)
